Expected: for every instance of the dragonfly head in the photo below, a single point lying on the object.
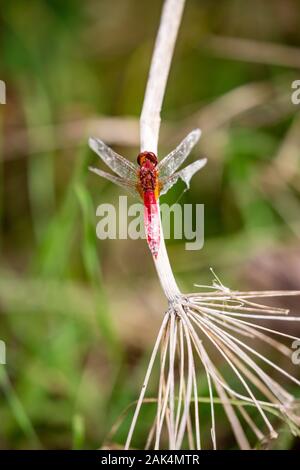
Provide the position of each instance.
(145, 158)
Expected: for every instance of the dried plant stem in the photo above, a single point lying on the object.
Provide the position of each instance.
(145, 384)
(150, 116)
(164, 271)
(254, 51)
(158, 74)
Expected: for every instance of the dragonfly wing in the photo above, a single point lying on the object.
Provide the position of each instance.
(122, 182)
(113, 160)
(185, 175)
(171, 162)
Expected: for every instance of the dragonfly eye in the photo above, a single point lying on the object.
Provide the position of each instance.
(150, 156)
(141, 158)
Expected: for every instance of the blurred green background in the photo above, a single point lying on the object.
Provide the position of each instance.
(79, 315)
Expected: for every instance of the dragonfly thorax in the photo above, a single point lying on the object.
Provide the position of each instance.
(147, 171)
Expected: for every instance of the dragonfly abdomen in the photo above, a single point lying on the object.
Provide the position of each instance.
(152, 221)
(148, 188)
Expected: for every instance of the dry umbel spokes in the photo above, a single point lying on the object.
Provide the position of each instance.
(197, 331)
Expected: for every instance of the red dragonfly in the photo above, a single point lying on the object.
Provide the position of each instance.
(149, 178)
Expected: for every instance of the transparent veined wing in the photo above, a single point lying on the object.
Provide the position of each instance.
(113, 160)
(124, 183)
(185, 175)
(168, 165)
